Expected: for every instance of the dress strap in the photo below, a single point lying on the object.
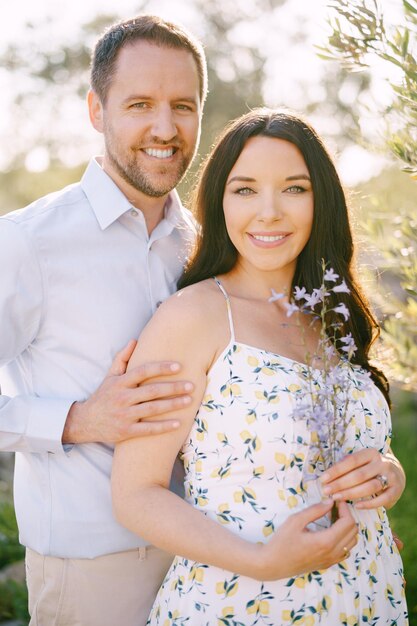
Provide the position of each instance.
(229, 308)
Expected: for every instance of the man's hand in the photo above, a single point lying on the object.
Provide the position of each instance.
(363, 474)
(114, 411)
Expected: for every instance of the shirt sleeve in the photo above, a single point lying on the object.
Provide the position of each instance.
(27, 423)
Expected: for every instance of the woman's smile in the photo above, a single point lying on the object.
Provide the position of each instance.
(268, 240)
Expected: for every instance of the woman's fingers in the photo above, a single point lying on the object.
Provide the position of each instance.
(365, 474)
(354, 469)
(366, 489)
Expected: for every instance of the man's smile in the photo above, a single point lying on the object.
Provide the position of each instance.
(165, 153)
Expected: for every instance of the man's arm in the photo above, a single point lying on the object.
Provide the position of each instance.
(37, 424)
(114, 411)
(27, 423)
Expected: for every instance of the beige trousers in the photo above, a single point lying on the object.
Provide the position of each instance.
(111, 590)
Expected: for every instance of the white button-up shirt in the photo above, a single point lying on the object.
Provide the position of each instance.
(79, 277)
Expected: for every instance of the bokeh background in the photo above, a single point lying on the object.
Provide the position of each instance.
(349, 66)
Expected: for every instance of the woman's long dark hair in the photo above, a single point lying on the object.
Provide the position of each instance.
(330, 239)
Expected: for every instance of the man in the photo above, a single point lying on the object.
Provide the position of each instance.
(86, 269)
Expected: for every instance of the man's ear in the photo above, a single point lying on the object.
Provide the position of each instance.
(95, 110)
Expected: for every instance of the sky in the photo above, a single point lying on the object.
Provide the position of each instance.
(355, 164)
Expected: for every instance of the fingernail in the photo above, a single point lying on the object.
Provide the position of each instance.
(186, 399)
(327, 501)
(337, 496)
(174, 367)
(175, 424)
(324, 478)
(326, 490)
(188, 386)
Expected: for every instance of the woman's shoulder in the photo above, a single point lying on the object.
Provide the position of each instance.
(200, 300)
(191, 317)
(193, 307)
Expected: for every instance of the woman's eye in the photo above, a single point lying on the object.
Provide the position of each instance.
(295, 189)
(244, 191)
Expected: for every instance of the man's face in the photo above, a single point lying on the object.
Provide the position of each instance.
(151, 118)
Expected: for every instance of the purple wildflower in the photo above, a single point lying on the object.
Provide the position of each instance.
(312, 299)
(275, 296)
(329, 350)
(300, 293)
(343, 310)
(349, 347)
(342, 288)
(330, 275)
(291, 308)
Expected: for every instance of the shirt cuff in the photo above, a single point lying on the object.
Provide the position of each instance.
(46, 424)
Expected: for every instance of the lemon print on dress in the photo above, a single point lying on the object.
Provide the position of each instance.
(260, 607)
(228, 588)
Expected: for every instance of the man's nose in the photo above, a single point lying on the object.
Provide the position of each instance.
(164, 126)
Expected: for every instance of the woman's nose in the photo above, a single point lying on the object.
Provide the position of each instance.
(270, 207)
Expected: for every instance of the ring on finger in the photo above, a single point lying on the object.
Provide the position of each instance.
(383, 480)
(346, 552)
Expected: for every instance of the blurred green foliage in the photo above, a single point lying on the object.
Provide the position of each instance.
(13, 602)
(18, 187)
(13, 594)
(10, 548)
(403, 516)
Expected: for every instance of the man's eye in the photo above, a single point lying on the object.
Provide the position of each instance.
(184, 107)
(139, 105)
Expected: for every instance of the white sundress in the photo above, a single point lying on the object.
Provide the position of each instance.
(244, 461)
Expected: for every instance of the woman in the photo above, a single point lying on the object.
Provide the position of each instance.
(271, 207)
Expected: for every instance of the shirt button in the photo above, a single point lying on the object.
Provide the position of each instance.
(133, 213)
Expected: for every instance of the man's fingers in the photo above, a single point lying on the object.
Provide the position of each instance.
(119, 365)
(148, 410)
(139, 375)
(162, 390)
(148, 429)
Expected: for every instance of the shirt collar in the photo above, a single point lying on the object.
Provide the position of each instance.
(175, 214)
(109, 203)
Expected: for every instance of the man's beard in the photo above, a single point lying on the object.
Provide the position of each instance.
(137, 178)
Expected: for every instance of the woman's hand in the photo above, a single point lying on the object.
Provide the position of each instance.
(295, 550)
(368, 474)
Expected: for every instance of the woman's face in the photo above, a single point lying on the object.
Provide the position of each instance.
(268, 205)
